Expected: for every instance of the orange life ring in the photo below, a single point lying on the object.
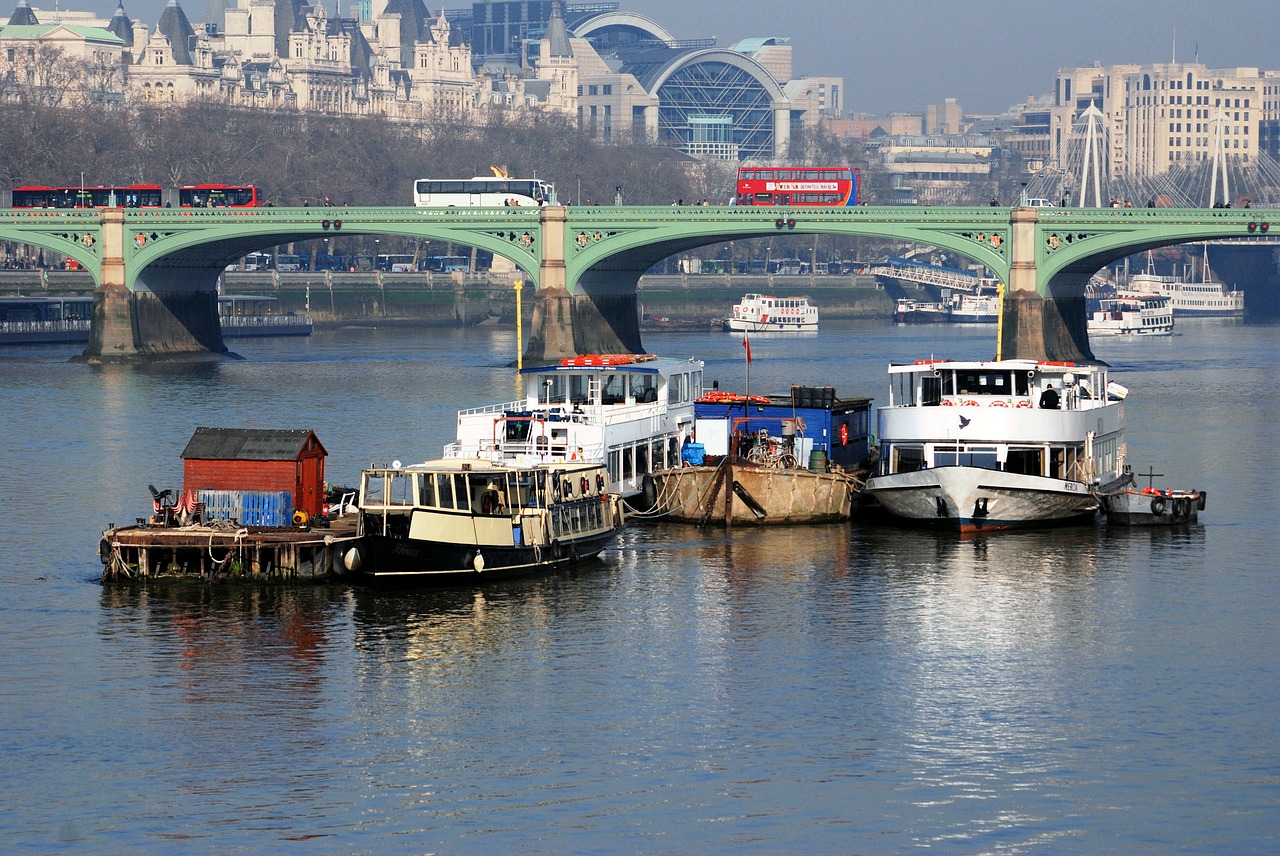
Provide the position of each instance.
(969, 402)
(999, 402)
(1023, 403)
(948, 402)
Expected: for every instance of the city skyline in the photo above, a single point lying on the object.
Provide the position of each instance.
(985, 54)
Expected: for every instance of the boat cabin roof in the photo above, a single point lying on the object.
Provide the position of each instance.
(1039, 366)
(485, 466)
(630, 363)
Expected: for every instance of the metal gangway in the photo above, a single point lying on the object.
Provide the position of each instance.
(939, 277)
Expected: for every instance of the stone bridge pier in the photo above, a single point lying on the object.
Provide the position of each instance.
(170, 314)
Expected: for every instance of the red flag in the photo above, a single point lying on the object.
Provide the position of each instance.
(746, 343)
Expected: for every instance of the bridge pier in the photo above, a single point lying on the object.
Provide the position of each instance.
(176, 317)
(1052, 326)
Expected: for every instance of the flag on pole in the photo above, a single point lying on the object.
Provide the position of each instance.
(746, 343)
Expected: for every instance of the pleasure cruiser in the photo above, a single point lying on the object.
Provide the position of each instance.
(994, 445)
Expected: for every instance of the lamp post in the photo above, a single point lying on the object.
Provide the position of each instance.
(577, 200)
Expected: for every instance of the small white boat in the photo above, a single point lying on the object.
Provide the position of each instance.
(982, 445)
(459, 520)
(764, 313)
(629, 412)
(1130, 314)
(982, 307)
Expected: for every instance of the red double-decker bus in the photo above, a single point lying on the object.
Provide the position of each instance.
(831, 186)
(136, 196)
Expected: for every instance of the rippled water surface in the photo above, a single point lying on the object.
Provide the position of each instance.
(835, 689)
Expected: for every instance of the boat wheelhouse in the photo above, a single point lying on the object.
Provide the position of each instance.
(1131, 315)
(764, 313)
(978, 445)
(459, 520)
(630, 412)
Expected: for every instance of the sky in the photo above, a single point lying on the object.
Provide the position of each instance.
(901, 55)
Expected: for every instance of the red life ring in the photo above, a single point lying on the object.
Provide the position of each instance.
(999, 402)
(948, 402)
(969, 402)
(1023, 403)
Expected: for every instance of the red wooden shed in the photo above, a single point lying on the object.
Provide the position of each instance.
(257, 459)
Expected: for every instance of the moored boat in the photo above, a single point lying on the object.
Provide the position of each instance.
(1205, 297)
(768, 460)
(764, 313)
(982, 445)
(1152, 506)
(458, 520)
(630, 412)
(1131, 315)
(982, 307)
(908, 310)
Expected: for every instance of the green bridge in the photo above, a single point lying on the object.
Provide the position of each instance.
(156, 270)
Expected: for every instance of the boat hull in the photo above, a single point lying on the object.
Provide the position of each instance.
(1135, 508)
(757, 496)
(412, 563)
(738, 325)
(974, 499)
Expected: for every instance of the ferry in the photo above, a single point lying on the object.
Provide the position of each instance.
(765, 460)
(764, 313)
(1207, 298)
(989, 445)
(628, 412)
(460, 521)
(1131, 315)
(982, 307)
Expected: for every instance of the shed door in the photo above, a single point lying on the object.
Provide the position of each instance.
(307, 494)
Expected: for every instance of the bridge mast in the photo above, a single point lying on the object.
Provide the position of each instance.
(1219, 157)
(1092, 158)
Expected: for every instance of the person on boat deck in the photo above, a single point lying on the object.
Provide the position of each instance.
(1049, 398)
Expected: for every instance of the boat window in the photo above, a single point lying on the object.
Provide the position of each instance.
(400, 490)
(614, 390)
(907, 459)
(982, 382)
(615, 465)
(551, 389)
(930, 391)
(578, 389)
(444, 490)
(966, 456)
(642, 459)
(375, 488)
(628, 461)
(656, 455)
(695, 392)
(427, 494)
(644, 388)
(1027, 462)
(517, 430)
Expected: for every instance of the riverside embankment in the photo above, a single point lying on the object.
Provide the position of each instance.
(440, 299)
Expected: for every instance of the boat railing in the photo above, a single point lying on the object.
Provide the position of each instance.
(284, 320)
(518, 404)
(65, 325)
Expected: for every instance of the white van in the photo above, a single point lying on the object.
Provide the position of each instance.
(1039, 203)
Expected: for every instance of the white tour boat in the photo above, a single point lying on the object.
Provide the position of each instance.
(1131, 315)
(982, 307)
(630, 412)
(459, 520)
(1206, 298)
(998, 444)
(764, 313)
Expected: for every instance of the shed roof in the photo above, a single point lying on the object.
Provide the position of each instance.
(249, 444)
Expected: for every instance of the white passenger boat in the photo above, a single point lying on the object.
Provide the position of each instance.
(1205, 297)
(459, 520)
(995, 445)
(1131, 315)
(980, 308)
(630, 412)
(764, 313)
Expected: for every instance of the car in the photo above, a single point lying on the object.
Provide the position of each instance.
(1039, 203)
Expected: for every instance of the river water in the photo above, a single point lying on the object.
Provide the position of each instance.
(834, 689)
